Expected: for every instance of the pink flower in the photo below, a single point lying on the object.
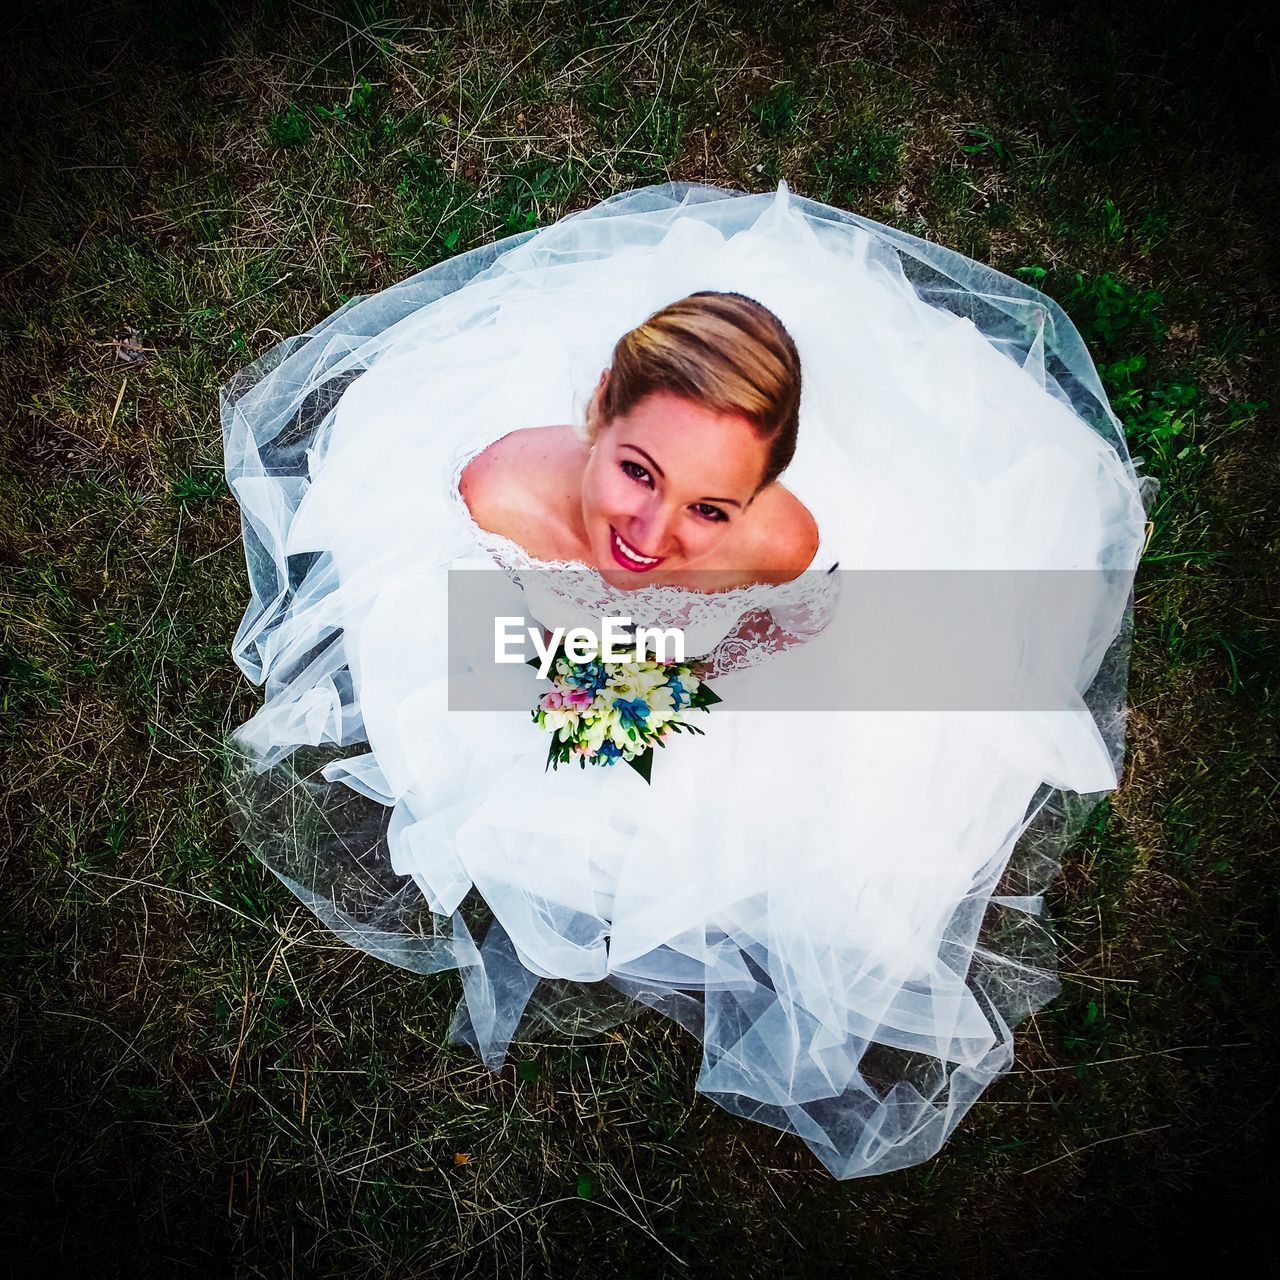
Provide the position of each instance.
(578, 698)
(552, 701)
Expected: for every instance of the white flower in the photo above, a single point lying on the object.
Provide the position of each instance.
(662, 706)
(597, 726)
(634, 680)
(563, 719)
(651, 676)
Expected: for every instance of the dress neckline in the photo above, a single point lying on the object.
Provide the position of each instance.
(520, 554)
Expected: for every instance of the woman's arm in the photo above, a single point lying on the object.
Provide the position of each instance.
(761, 633)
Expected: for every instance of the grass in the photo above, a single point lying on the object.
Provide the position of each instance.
(199, 1079)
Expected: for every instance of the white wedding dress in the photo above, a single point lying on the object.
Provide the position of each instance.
(842, 904)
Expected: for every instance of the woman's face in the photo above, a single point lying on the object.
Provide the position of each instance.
(665, 486)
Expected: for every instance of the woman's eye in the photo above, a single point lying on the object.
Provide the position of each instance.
(641, 476)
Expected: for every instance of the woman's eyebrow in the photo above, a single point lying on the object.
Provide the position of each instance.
(732, 502)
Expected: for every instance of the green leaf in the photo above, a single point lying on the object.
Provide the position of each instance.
(643, 764)
(1010, 1145)
(985, 141)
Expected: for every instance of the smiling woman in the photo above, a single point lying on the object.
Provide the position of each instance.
(674, 477)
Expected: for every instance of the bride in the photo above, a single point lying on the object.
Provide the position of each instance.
(711, 385)
(836, 887)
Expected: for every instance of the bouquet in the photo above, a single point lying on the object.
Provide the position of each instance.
(602, 712)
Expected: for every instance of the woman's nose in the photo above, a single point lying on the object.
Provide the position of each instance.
(653, 529)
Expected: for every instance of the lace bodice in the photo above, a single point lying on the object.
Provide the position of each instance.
(727, 630)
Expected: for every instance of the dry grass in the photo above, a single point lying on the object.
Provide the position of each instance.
(198, 1078)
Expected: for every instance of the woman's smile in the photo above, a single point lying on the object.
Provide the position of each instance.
(628, 557)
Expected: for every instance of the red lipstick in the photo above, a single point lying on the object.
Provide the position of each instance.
(629, 557)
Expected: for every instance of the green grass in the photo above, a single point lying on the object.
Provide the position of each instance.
(198, 1078)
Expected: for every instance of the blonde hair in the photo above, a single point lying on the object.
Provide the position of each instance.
(721, 350)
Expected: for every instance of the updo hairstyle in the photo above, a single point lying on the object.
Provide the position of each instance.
(721, 350)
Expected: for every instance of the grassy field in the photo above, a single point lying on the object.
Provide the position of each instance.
(197, 1078)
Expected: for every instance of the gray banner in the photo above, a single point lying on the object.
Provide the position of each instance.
(843, 640)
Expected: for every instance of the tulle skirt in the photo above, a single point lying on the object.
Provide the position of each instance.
(844, 906)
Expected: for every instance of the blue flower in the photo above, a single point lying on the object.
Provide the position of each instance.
(609, 751)
(589, 677)
(679, 694)
(632, 712)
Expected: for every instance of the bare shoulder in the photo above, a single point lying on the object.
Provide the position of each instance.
(783, 538)
(513, 486)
